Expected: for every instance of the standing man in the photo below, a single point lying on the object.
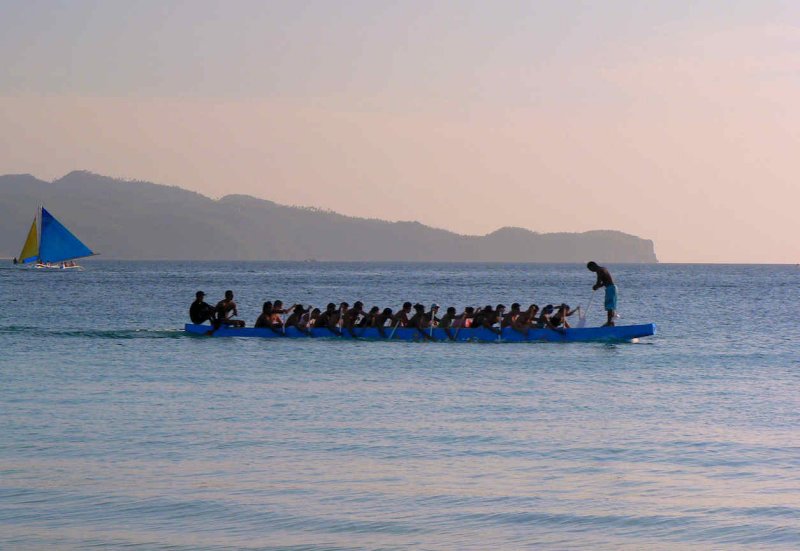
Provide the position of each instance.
(604, 280)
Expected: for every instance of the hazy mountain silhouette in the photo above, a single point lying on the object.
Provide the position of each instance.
(142, 220)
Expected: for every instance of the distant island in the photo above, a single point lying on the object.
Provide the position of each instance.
(136, 220)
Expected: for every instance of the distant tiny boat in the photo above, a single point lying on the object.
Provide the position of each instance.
(619, 333)
(52, 246)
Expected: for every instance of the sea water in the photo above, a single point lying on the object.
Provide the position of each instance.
(119, 431)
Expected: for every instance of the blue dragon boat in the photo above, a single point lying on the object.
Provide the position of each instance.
(619, 333)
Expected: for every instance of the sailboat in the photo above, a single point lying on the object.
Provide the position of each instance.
(52, 245)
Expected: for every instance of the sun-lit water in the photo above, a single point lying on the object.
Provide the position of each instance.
(116, 430)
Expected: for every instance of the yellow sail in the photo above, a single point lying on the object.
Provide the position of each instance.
(30, 251)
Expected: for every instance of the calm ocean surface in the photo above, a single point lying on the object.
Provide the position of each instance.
(117, 431)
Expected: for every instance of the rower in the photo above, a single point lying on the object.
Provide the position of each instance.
(447, 321)
(264, 320)
(604, 279)
(496, 317)
(400, 319)
(295, 319)
(545, 318)
(340, 313)
(508, 319)
(417, 321)
(328, 319)
(200, 311)
(382, 319)
(417, 318)
(477, 320)
(526, 320)
(226, 309)
(278, 311)
(464, 321)
(370, 317)
(309, 320)
(560, 317)
(351, 317)
(430, 318)
(276, 318)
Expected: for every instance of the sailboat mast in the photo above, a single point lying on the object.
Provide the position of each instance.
(39, 216)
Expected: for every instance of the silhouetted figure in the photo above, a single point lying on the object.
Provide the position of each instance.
(604, 280)
(560, 317)
(200, 311)
(226, 310)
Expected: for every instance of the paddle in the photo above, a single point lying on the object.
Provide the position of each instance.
(309, 328)
(394, 329)
(433, 317)
(582, 315)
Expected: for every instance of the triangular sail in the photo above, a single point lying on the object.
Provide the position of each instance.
(30, 250)
(58, 243)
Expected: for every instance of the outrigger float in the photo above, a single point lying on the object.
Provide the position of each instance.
(619, 333)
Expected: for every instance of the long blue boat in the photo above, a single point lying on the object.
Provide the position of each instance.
(619, 333)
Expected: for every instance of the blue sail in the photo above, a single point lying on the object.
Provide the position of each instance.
(58, 243)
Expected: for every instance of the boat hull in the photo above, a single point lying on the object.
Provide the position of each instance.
(583, 334)
(57, 267)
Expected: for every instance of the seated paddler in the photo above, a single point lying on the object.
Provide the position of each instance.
(298, 319)
(226, 311)
(559, 319)
(200, 311)
(351, 316)
(417, 321)
(329, 319)
(447, 321)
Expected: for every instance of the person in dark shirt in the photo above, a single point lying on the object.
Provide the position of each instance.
(487, 317)
(200, 311)
(328, 319)
(295, 319)
(526, 320)
(480, 314)
(560, 317)
(417, 321)
(381, 319)
(544, 316)
(350, 317)
(418, 317)
(400, 319)
(309, 321)
(604, 279)
(447, 320)
(430, 318)
(368, 320)
(508, 318)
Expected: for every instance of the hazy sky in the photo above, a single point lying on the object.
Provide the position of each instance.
(674, 121)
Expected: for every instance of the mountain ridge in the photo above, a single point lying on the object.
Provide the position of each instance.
(139, 220)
